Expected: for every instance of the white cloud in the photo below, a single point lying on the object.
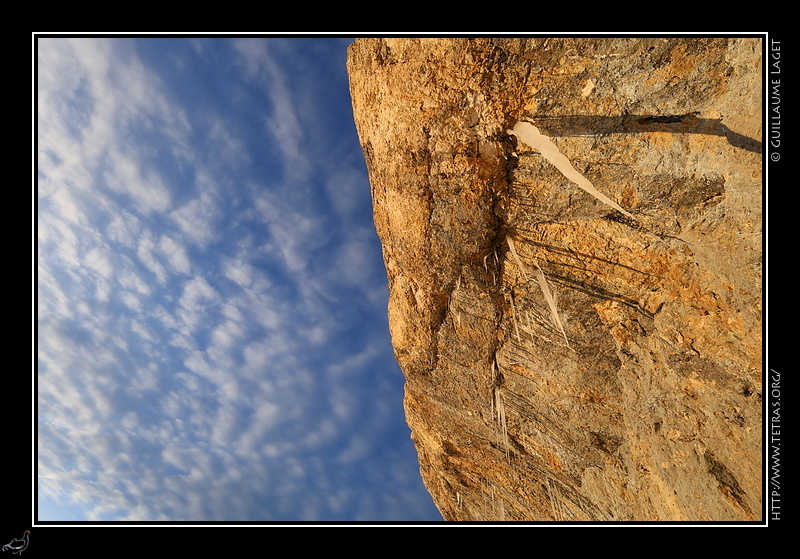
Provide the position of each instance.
(357, 260)
(346, 189)
(199, 219)
(228, 335)
(197, 295)
(126, 175)
(356, 449)
(124, 228)
(284, 122)
(145, 380)
(177, 458)
(144, 252)
(175, 253)
(98, 260)
(240, 271)
(229, 150)
(130, 420)
(92, 103)
(65, 203)
(251, 442)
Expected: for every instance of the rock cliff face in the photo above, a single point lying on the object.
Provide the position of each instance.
(573, 354)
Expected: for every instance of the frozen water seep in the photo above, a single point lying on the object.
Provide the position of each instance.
(531, 136)
(548, 295)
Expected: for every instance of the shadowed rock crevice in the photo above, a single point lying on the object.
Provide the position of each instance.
(690, 123)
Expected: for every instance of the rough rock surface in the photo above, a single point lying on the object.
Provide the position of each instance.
(634, 392)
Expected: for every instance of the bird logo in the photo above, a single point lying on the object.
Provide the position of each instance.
(17, 546)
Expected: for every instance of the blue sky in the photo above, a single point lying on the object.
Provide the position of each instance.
(211, 330)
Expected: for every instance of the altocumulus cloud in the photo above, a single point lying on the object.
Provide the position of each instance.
(211, 337)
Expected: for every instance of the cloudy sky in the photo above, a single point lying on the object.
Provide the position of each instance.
(211, 331)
